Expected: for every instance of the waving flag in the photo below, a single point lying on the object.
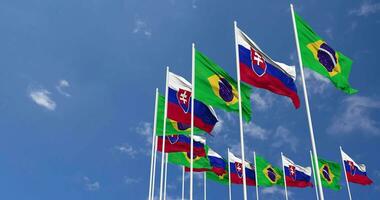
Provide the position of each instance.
(182, 143)
(296, 175)
(259, 70)
(179, 105)
(318, 56)
(172, 127)
(219, 170)
(217, 88)
(330, 174)
(267, 175)
(236, 170)
(200, 163)
(356, 173)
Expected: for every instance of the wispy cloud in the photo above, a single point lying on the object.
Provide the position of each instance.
(127, 149)
(141, 27)
(329, 32)
(356, 115)
(194, 4)
(62, 85)
(366, 8)
(146, 130)
(256, 131)
(315, 82)
(275, 191)
(42, 98)
(130, 180)
(262, 100)
(284, 137)
(91, 185)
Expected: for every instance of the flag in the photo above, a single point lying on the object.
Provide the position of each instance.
(182, 143)
(330, 174)
(179, 105)
(296, 175)
(172, 127)
(236, 170)
(356, 173)
(259, 70)
(320, 57)
(267, 175)
(219, 170)
(217, 88)
(183, 159)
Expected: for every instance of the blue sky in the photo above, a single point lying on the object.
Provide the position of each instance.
(77, 88)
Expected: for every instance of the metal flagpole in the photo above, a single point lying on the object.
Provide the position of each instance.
(229, 174)
(163, 134)
(154, 167)
(204, 186)
(183, 182)
(314, 175)
(192, 118)
(153, 145)
(345, 173)
(240, 113)
(314, 148)
(256, 179)
(283, 168)
(166, 174)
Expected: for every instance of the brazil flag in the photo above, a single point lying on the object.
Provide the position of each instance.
(330, 174)
(267, 175)
(213, 86)
(172, 127)
(222, 179)
(318, 56)
(183, 159)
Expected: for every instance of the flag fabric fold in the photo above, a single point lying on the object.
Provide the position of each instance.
(320, 57)
(259, 70)
(217, 88)
(296, 175)
(356, 173)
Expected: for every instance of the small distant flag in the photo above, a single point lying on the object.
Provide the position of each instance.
(296, 175)
(267, 175)
(320, 57)
(329, 172)
(217, 88)
(356, 173)
(182, 143)
(236, 170)
(179, 105)
(259, 70)
(200, 163)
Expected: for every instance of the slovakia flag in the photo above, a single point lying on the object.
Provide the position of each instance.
(259, 70)
(181, 143)
(236, 169)
(295, 175)
(356, 173)
(179, 105)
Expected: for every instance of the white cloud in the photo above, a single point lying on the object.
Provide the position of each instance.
(129, 180)
(41, 97)
(219, 126)
(127, 149)
(141, 27)
(316, 83)
(255, 131)
(366, 8)
(275, 191)
(284, 137)
(262, 100)
(146, 130)
(91, 185)
(329, 33)
(194, 4)
(356, 115)
(62, 84)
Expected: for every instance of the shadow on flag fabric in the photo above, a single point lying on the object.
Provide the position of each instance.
(259, 70)
(172, 127)
(236, 169)
(356, 173)
(318, 56)
(179, 105)
(296, 175)
(182, 143)
(267, 175)
(330, 174)
(217, 88)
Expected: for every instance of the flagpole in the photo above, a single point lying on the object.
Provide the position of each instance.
(192, 118)
(153, 145)
(163, 134)
(154, 167)
(345, 173)
(314, 148)
(229, 174)
(183, 182)
(166, 174)
(256, 179)
(314, 175)
(283, 168)
(240, 114)
(204, 186)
